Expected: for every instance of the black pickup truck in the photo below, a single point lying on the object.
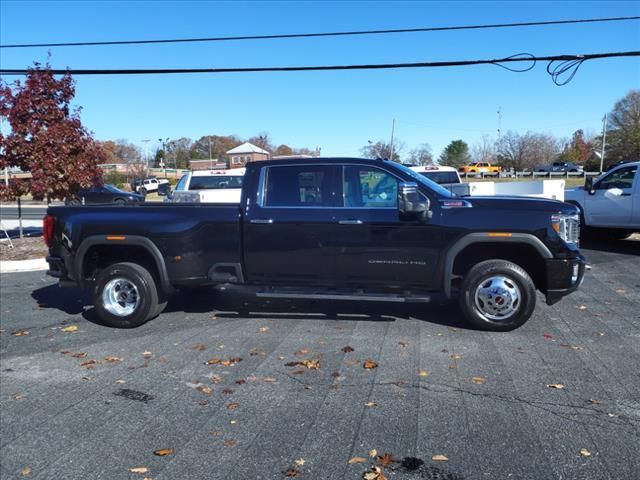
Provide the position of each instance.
(332, 229)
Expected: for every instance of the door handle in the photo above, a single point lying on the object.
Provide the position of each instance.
(261, 220)
(350, 222)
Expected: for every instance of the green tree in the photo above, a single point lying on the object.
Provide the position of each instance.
(455, 154)
(623, 132)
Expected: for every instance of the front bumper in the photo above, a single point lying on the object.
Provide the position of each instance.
(564, 276)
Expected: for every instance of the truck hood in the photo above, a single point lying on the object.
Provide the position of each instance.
(523, 204)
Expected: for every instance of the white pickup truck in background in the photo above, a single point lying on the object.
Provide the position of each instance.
(208, 186)
(611, 202)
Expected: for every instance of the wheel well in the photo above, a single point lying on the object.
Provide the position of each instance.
(99, 257)
(522, 254)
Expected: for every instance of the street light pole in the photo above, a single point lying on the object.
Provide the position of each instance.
(604, 140)
(393, 128)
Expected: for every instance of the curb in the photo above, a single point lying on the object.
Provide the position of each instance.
(32, 265)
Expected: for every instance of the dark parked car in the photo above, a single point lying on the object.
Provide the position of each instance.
(105, 194)
(325, 229)
(561, 167)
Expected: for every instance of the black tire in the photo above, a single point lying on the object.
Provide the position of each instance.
(147, 295)
(143, 191)
(515, 276)
(74, 202)
(614, 234)
(119, 201)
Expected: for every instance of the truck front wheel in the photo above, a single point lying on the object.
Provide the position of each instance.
(497, 295)
(126, 295)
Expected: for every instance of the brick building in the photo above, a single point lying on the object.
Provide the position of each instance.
(245, 153)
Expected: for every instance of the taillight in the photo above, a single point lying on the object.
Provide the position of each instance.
(48, 222)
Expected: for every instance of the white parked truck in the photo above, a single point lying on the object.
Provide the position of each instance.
(611, 202)
(208, 186)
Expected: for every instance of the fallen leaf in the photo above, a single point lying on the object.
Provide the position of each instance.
(227, 391)
(403, 344)
(386, 459)
(479, 380)
(240, 381)
(572, 347)
(311, 364)
(455, 356)
(291, 472)
(584, 452)
(300, 462)
(18, 396)
(257, 351)
(26, 471)
(86, 378)
(147, 354)
(89, 363)
(452, 366)
(203, 403)
(356, 460)
(20, 333)
(557, 386)
(163, 452)
(595, 402)
(204, 389)
(423, 373)
(373, 453)
(215, 379)
(302, 352)
(233, 406)
(70, 328)
(371, 404)
(112, 359)
(120, 381)
(264, 329)
(548, 336)
(369, 364)
(216, 433)
(374, 474)
(230, 442)
(199, 347)
(440, 458)
(269, 379)
(79, 355)
(347, 349)
(582, 307)
(620, 290)
(139, 470)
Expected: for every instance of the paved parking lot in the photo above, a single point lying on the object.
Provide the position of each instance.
(285, 392)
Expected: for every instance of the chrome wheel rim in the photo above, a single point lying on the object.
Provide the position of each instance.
(120, 297)
(498, 298)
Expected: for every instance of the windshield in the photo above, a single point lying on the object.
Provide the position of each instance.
(215, 182)
(422, 180)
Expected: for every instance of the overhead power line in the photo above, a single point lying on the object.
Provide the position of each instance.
(558, 66)
(324, 34)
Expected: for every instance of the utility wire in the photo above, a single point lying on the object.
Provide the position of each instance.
(324, 34)
(555, 69)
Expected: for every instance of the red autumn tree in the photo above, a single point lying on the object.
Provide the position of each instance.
(46, 138)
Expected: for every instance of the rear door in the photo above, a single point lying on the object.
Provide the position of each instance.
(376, 246)
(288, 230)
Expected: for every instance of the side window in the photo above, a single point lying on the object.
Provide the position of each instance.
(182, 182)
(367, 187)
(301, 186)
(621, 178)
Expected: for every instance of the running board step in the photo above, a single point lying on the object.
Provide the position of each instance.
(337, 296)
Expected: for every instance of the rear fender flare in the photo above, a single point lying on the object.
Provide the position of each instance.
(143, 242)
(483, 237)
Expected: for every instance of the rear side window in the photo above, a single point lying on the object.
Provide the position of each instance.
(442, 177)
(218, 182)
(181, 183)
(301, 186)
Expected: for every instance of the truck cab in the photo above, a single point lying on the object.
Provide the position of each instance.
(611, 202)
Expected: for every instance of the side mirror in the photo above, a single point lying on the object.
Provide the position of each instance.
(164, 189)
(411, 203)
(588, 185)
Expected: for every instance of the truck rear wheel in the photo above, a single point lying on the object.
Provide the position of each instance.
(497, 295)
(126, 295)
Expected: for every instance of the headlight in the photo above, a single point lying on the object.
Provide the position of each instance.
(567, 227)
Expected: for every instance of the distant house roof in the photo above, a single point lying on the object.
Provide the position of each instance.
(247, 147)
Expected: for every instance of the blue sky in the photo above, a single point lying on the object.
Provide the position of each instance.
(338, 111)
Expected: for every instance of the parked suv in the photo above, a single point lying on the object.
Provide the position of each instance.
(561, 167)
(147, 185)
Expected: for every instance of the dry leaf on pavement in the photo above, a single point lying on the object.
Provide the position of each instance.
(347, 349)
(230, 442)
(423, 373)
(139, 470)
(163, 452)
(373, 453)
(147, 354)
(291, 472)
(455, 356)
(356, 460)
(112, 359)
(300, 461)
(26, 471)
(374, 474)
(557, 386)
(20, 333)
(479, 380)
(369, 364)
(440, 458)
(70, 328)
(199, 347)
(311, 364)
(264, 329)
(233, 406)
(203, 389)
(584, 452)
(371, 404)
(386, 459)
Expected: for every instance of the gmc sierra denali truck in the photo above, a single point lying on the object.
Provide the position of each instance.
(333, 229)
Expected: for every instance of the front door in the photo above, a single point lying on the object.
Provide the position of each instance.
(612, 203)
(288, 231)
(376, 247)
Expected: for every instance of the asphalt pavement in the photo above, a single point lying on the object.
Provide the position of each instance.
(558, 398)
(10, 212)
